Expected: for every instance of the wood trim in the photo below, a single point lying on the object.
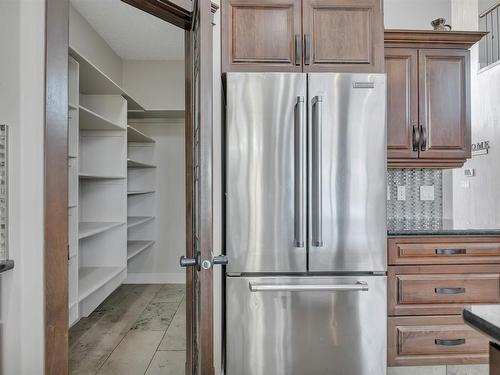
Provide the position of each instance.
(425, 163)
(205, 334)
(188, 138)
(56, 188)
(178, 13)
(432, 39)
(494, 359)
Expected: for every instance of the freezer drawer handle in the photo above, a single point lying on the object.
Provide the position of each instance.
(360, 286)
(449, 290)
(317, 123)
(449, 342)
(299, 173)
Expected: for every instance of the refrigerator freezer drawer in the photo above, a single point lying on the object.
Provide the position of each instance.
(306, 325)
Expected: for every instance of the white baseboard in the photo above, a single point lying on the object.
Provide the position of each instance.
(155, 278)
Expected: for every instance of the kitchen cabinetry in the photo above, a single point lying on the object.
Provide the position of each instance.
(302, 35)
(430, 280)
(428, 97)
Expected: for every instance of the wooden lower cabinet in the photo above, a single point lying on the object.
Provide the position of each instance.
(436, 340)
(494, 359)
(429, 281)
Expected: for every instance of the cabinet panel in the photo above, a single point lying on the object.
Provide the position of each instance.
(444, 103)
(261, 35)
(436, 340)
(341, 35)
(401, 66)
(433, 290)
(410, 251)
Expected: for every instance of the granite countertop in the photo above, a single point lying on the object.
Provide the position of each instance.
(485, 319)
(443, 228)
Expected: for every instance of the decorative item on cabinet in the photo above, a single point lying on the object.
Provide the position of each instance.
(280, 35)
(428, 98)
(439, 24)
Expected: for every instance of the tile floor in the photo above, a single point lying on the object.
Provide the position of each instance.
(137, 330)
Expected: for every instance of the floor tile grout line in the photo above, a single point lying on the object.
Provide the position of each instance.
(126, 333)
(156, 351)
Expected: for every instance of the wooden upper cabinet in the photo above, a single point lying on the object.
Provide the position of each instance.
(428, 97)
(261, 35)
(401, 66)
(343, 36)
(444, 103)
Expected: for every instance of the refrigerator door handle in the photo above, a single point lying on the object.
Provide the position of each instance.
(299, 173)
(360, 286)
(317, 123)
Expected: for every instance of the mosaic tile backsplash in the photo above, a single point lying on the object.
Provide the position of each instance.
(414, 213)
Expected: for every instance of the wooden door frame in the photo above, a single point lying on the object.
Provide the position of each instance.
(56, 310)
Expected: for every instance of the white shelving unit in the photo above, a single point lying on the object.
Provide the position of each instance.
(73, 133)
(97, 162)
(141, 193)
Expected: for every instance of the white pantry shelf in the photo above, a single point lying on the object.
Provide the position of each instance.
(137, 164)
(139, 192)
(91, 176)
(134, 135)
(95, 82)
(91, 279)
(91, 228)
(72, 106)
(136, 247)
(89, 120)
(133, 221)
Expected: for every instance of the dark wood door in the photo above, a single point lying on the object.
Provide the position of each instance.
(199, 133)
(261, 35)
(343, 36)
(401, 66)
(444, 89)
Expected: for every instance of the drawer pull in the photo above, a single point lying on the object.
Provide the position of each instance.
(450, 342)
(451, 251)
(449, 290)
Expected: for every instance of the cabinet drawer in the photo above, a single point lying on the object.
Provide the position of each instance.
(434, 340)
(443, 251)
(430, 290)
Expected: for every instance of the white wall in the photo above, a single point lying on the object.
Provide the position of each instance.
(479, 204)
(87, 42)
(22, 41)
(155, 84)
(161, 262)
(415, 14)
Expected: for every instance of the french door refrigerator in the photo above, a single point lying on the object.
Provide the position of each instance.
(305, 224)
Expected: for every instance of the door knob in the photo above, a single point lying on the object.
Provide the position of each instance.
(220, 259)
(188, 262)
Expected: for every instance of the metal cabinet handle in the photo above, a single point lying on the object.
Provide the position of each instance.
(298, 50)
(307, 49)
(299, 173)
(424, 138)
(360, 286)
(451, 251)
(454, 342)
(449, 290)
(415, 138)
(317, 123)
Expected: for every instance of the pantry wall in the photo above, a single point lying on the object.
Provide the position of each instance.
(125, 155)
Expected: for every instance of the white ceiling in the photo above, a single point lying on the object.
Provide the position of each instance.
(132, 33)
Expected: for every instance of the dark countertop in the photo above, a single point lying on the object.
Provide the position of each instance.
(445, 228)
(485, 319)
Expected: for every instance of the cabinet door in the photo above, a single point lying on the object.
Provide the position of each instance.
(261, 35)
(343, 36)
(401, 66)
(444, 101)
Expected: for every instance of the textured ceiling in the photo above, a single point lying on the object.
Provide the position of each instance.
(131, 33)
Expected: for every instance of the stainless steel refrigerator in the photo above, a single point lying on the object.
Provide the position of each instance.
(305, 224)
